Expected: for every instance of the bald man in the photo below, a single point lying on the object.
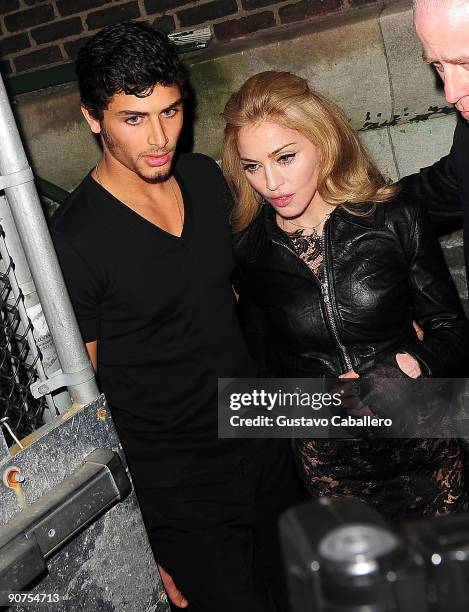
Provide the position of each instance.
(442, 27)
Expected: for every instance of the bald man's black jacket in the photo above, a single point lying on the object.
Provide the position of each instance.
(444, 188)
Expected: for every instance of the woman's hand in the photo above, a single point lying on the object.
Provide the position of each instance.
(409, 365)
(350, 374)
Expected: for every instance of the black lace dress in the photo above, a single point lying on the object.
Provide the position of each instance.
(399, 477)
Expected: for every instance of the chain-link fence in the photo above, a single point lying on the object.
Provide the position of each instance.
(23, 413)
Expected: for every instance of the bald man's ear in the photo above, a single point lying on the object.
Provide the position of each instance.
(95, 125)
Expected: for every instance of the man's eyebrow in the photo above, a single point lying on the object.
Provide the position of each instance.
(134, 113)
(177, 102)
(131, 113)
(464, 59)
(271, 154)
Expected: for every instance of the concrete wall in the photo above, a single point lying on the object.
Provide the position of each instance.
(368, 61)
(38, 33)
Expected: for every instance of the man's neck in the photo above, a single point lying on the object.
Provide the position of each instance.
(126, 184)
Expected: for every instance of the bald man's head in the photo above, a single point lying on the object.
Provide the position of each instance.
(443, 29)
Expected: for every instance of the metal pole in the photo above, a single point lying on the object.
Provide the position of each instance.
(37, 244)
(29, 308)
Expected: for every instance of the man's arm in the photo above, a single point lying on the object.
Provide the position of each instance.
(92, 348)
(437, 187)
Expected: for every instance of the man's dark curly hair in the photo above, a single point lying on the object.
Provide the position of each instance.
(129, 58)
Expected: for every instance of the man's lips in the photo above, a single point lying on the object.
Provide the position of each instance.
(157, 160)
(281, 200)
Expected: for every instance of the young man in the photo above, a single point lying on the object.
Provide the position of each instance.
(145, 247)
(443, 29)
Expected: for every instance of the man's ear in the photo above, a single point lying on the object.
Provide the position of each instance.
(94, 124)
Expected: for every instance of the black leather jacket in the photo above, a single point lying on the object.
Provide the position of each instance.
(382, 271)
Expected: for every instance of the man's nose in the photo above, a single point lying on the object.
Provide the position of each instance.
(157, 136)
(456, 82)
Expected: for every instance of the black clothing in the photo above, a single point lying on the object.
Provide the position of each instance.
(162, 311)
(380, 272)
(444, 187)
(219, 540)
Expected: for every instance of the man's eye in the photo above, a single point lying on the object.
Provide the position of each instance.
(133, 120)
(170, 112)
(286, 158)
(250, 168)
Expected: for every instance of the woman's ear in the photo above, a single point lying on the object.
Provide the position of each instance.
(95, 125)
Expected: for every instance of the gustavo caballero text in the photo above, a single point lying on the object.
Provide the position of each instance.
(282, 420)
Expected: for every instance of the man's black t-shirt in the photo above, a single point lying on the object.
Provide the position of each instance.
(162, 310)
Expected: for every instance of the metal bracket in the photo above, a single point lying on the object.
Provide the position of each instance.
(45, 526)
(16, 178)
(59, 380)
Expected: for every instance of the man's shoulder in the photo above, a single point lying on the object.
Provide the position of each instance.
(461, 138)
(78, 220)
(78, 210)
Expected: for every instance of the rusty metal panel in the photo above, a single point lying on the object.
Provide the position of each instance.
(107, 567)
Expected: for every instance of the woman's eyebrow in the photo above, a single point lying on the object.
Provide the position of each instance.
(270, 154)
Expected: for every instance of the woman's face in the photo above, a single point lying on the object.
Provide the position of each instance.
(282, 166)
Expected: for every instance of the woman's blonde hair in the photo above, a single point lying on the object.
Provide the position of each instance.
(347, 176)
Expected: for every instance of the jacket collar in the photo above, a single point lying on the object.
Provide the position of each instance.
(374, 221)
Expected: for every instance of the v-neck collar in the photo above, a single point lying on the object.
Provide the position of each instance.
(131, 214)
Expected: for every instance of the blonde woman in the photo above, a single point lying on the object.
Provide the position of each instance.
(333, 266)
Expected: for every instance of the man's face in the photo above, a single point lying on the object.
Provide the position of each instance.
(141, 134)
(443, 31)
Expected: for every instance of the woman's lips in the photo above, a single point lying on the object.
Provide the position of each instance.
(281, 201)
(157, 160)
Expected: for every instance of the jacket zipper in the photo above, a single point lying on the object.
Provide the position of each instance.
(327, 300)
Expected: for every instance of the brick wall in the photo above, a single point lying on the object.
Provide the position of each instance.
(38, 33)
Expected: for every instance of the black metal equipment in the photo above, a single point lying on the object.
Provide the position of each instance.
(342, 556)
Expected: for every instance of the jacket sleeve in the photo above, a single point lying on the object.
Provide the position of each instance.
(437, 308)
(437, 188)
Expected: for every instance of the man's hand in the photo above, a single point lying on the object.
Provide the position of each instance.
(174, 594)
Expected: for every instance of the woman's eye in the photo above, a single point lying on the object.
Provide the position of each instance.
(438, 67)
(250, 167)
(286, 158)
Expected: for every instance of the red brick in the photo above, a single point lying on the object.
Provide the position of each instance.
(235, 28)
(43, 57)
(12, 44)
(307, 8)
(165, 23)
(254, 4)
(207, 12)
(160, 6)
(23, 20)
(73, 46)
(7, 6)
(57, 30)
(68, 7)
(114, 14)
